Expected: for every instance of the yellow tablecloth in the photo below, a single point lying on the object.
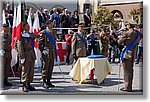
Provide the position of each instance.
(83, 66)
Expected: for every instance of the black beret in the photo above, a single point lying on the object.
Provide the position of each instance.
(5, 25)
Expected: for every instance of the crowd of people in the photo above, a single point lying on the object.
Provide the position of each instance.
(80, 41)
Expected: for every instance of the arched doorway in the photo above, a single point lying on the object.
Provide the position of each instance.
(59, 8)
(117, 14)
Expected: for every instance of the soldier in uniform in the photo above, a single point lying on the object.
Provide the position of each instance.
(126, 39)
(48, 50)
(27, 57)
(79, 46)
(104, 40)
(5, 53)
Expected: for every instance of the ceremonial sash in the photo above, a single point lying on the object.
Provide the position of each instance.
(52, 42)
(29, 40)
(129, 47)
(84, 42)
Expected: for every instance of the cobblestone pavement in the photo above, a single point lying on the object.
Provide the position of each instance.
(69, 87)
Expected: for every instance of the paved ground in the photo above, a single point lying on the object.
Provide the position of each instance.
(69, 87)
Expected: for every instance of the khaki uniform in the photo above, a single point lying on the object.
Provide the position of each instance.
(126, 39)
(78, 47)
(104, 40)
(48, 59)
(26, 51)
(5, 41)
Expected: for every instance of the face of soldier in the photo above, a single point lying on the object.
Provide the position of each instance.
(50, 25)
(26, 27)
(80, 28)
(6, 29)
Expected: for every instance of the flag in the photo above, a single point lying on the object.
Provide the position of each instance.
(4, 19)
(14, 52)
(36, 30)
(30, 21)
(18, 23)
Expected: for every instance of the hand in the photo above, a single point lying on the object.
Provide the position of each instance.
(22, 61)
(45, 52)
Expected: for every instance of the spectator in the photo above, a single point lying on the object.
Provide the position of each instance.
(26, 14)
(75, 20)
(42, 18)
(65, 23)
(47, 16)
(87, 20)
(10, 14)
(55, 18)
(68, 38)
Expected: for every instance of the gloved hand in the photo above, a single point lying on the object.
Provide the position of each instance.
(2, 52)
(22, 61)
(45, 52)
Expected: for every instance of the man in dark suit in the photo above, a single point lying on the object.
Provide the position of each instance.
(87, 20)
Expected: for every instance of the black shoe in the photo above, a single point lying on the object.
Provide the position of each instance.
(31, 88)
(6, 83)
(123, 89)
(49, 83)
(25, 88)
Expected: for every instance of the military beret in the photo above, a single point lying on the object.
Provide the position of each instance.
(81, 25)
(5, 25)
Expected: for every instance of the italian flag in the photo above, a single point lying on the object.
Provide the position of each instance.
(14, 52)
(36, 30)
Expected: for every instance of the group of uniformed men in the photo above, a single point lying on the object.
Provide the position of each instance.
(48, 49)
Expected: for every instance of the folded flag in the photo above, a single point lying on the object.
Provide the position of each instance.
(96, 56)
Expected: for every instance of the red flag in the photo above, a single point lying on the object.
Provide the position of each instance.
(18, 23)
(36, 28)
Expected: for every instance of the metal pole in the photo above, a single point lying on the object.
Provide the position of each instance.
(60, 70)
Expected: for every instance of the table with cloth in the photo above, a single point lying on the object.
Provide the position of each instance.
(83, 66)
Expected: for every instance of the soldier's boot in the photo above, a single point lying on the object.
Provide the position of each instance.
(25, 88)
(6, 83)
(31, 88)
(49, 83)
(45, 85)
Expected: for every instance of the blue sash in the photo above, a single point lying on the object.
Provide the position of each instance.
(84, 42)
(28, 40)
(129, 47)
(52, 42)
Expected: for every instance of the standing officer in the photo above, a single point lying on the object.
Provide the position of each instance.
(27, 58)
(47, 47)
(5, 53)
(79, 43)
(104, 40)
(129, 40)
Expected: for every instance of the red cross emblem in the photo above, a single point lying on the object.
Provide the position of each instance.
(61, 52)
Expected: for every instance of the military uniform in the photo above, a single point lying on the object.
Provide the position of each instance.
(125, 39)
(27, 57)
(48, 55)
(5, 41)
(79, 49)
(104, 40)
